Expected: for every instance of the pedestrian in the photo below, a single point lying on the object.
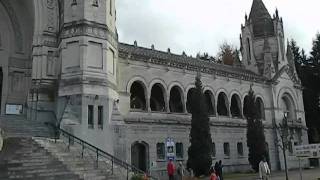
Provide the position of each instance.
(180, 171)
(170, 169)
(264, 170)
(220, 166)
(216, 168)
(213, 175)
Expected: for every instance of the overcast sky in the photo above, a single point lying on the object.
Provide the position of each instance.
(202, 25)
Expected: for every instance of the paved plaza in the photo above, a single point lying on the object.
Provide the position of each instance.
(307, 174)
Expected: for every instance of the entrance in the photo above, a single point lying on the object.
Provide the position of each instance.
(139, 155)
(1, 79)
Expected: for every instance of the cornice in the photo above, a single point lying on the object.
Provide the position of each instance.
(184, 62)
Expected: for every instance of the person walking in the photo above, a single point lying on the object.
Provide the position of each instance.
(264, 170)
(180, 171)
(216, 168)
(220, 166)
(170, 169)
(213, 175)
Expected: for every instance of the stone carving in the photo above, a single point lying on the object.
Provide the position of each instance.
(52, 6)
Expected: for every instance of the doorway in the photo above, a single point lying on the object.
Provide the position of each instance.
(139, 155)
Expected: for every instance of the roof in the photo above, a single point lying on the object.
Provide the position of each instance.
(153, 56)
(261, 20)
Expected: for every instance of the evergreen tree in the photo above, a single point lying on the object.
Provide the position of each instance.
(199, 153)
(315, 52)
(256, 141)
(296, 52)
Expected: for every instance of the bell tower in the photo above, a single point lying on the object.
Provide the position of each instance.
(88, 53)
(262, 41)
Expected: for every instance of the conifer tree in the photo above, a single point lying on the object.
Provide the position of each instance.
(315, 52)
(199, 153)
(255, 134)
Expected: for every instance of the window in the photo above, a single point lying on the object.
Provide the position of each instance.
(160, 151)
(248, 51)
(240, 148)
(100, 117)
(90, 116)
(95, 3)
(290, 148)
(110, 8)
(226, 149)
(179, 150)
(213, 150)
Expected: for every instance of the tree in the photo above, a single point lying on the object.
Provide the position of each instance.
(228, 54)
(199, 152)
(256, 141)
(315, 52)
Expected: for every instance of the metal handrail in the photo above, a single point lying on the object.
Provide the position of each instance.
(98, 152)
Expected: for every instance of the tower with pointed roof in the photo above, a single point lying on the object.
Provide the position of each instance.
(262, 41)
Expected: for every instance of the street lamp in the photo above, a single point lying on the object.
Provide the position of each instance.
(283, 131)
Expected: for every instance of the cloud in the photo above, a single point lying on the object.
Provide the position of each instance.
(201, 26)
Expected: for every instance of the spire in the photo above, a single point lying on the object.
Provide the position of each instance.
(261, 19)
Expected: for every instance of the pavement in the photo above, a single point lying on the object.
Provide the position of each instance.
(307, 174)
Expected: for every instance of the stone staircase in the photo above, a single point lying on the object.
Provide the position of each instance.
(19, 126)
(27, 159)
(84, 166)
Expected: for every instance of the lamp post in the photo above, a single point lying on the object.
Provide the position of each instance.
(283, 130)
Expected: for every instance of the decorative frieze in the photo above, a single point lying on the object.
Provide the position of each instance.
(86, 28)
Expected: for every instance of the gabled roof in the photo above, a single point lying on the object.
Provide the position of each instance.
(261, 19)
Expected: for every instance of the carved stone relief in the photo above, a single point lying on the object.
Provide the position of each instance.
(52, 6)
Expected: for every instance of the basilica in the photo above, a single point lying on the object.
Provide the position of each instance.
(62, 63)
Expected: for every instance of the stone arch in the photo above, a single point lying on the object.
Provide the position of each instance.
(210, 101)
(288, 91)
(158, 98)
(222, 104)
(261, 108)
(134, 79)
(190, 95)
(235, 107)
(245, 107)
(176, 99)
(138, 96)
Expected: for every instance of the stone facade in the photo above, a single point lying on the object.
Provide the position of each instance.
(68, 67)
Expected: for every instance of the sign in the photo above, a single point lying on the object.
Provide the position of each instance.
(307, 151)
(170, 148)
(14, 109)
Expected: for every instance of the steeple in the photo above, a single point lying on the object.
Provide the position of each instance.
(261, 20)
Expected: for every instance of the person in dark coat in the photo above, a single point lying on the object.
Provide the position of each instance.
(216, 168)
(220, 166)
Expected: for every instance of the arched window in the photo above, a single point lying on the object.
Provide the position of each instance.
(235, 106)
(210, 102)
(260, 108)
(157, 102)
(137, 97)
(175, 102)
(248, 51)
(246, 106)
(287, 106)
(222, 106)
(189, 99)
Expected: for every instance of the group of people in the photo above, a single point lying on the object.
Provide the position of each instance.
(171, 170)
(216, 171)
